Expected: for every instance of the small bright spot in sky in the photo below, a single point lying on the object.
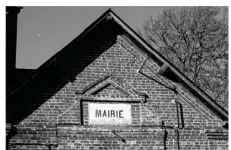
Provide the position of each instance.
(62, 28)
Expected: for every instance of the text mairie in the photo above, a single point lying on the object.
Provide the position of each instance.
(109, 113)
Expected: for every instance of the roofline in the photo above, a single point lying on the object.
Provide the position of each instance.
(31, 75)
(137, 37)
(154, 52)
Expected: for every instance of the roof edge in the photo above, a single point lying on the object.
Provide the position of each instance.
(140, 40)
(31, 75)
(154, 52)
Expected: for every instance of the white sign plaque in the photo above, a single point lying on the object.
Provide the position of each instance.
(109, 114)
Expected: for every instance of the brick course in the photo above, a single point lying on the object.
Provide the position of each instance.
(61, 122)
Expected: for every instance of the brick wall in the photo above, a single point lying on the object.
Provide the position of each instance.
(115, 75)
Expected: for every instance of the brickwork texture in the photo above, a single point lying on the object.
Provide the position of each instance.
(117, 71)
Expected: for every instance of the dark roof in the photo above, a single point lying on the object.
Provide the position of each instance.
(175, 73)
(16, 76)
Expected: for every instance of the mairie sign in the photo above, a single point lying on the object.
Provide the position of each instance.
(109, 114)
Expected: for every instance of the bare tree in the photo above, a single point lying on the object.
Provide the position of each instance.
(195, 39)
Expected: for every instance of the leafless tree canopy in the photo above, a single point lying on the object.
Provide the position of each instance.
(195, 39)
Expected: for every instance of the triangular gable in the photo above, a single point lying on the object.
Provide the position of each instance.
(109, 80)
(111, 85)
(168, 70)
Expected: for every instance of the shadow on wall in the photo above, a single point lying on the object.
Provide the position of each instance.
(54, 77)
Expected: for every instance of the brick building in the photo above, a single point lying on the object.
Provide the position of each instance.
(109, 89)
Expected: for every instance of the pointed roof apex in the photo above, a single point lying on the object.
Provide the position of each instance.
(170, 69)
(109, 9)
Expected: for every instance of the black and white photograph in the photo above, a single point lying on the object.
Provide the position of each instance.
(116, 78)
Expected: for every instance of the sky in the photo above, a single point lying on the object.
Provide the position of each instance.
(43, 31)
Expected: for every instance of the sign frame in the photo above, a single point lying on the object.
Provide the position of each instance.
(111, 114)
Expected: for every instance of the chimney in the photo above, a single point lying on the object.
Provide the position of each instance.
(11, 38)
